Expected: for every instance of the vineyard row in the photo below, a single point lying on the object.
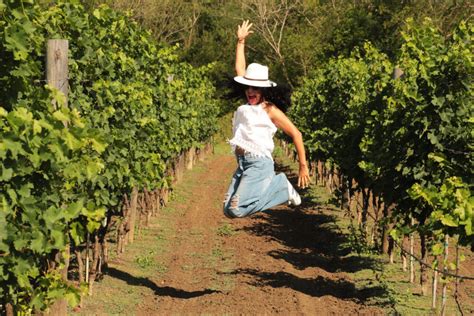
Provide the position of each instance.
(398, 143)
(93, 153)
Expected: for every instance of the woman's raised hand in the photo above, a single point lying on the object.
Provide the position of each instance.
(244, 30)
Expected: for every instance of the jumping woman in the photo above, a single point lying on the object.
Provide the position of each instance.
(255, 187)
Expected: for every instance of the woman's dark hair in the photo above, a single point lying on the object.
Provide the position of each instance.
(279, 95)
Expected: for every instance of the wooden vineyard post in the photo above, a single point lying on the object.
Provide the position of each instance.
(320, 172)
(349, 199)
(87, 256)
(412, 247)
(133, 214)
(342, 186)
(314, 173)
(456, 281)
(403, 254)
(445, 270)
(435, 288)
(358, 210)
(57, 67)
(189, 161)
(397, 74)
(365, 210)
(200, 154)
(57, 77)
(423, 268)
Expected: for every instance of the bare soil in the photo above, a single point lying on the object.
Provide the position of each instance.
(193, 260)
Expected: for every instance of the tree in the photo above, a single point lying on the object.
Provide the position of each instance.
(170, 21)
(270, 19)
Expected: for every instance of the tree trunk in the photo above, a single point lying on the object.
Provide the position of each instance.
(376, 212)
(95, 262)
(320, 172)
(365, 210)
(190, 158)
(358, 208)
(423, 272)
(133, 214)
(59, 307)
(412, 251)
(344, 193)
(80, 265)
(403, 255)
(387, 212)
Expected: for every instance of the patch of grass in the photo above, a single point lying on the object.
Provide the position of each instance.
(197, 168)
(226, 230)
(222, 148)
(115, 299)
(160, 267)
(217, 253)
(188, 267)
(222, 284)
(222, 262)
(168, 209)
(195, 232)
(145, 261)
(218, 257)
(196, 255)
(409, 301)
(178, 197)
(160, 237)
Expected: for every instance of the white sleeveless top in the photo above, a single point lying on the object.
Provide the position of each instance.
(253, 130)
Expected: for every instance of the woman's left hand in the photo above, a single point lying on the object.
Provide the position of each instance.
(243, 30)
(303, 177)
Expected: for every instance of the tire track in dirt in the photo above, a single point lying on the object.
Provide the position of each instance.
(277, 262)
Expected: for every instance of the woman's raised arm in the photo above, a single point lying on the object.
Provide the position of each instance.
(242, 32)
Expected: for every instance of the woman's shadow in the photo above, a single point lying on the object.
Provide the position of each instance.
(159, 290)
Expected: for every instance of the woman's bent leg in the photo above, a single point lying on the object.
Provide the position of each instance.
(234, 183)
(276, 194)
(258, 189)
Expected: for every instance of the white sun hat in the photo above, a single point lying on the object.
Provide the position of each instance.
(256, 75)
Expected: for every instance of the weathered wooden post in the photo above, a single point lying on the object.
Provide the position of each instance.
(133, 214)
(412, 251)
(434, 290)
(57, 77)
(444, 298)
(57, 66)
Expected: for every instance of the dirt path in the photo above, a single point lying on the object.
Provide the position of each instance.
(193, 260)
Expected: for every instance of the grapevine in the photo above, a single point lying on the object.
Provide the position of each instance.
(407, 140)
(133, 107)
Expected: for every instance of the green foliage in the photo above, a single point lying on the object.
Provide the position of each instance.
(312, 31)
(452, 205)
(132, 108)
(409, 139)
